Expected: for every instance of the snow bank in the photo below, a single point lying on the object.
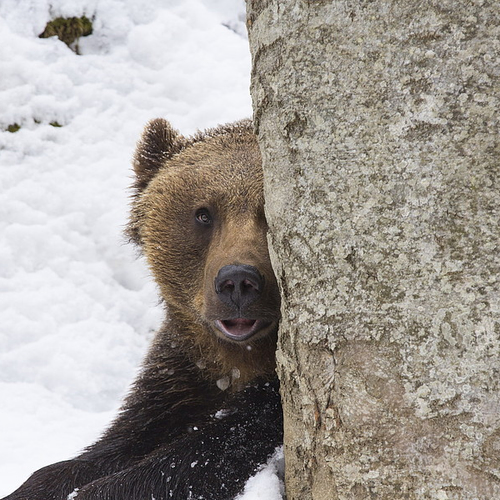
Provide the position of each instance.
(76, 307)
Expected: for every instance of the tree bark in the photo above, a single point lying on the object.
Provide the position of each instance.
(378, 122)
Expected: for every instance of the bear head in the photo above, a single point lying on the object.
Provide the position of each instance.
(198, 216)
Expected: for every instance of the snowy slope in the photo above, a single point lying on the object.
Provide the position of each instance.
(76, 307)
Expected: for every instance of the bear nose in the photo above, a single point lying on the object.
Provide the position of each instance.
(239, 285)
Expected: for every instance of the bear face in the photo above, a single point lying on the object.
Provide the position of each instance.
(198, 216)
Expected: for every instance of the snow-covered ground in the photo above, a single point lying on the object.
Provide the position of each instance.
(77, 309)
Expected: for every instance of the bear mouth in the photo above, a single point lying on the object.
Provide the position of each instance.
(240, 328)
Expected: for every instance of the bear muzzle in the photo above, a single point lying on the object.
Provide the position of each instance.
(238, 287)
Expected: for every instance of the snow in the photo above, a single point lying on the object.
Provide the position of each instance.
(266, 484)
(77, 307)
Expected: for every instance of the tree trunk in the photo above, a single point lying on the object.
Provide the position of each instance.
(378, 124)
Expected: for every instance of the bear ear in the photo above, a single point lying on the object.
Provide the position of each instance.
(159, 142)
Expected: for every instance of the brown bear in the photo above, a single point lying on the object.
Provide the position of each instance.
(204, 412)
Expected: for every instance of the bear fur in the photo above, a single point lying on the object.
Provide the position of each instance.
(204, 412)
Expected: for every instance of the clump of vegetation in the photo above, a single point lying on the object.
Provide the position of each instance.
(68, 30)
(13, 128)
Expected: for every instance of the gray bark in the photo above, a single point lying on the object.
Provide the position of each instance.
(378, 122)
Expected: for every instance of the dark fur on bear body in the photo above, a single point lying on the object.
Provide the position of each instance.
(205, 410)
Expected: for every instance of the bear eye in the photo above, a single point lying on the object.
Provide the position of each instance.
(203, 216)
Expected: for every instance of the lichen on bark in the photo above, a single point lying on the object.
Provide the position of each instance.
(378, 123)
